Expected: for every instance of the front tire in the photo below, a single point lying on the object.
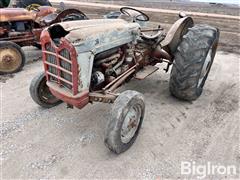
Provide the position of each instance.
(126, 119)
(193, 60)
(12, 57)
(40, 92)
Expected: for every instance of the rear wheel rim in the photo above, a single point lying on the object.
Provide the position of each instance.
(131, 123)
(206, 67)
(10, 59)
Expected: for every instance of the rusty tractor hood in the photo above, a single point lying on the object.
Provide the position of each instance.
(20, 14)
(81, 31)
(15, 14)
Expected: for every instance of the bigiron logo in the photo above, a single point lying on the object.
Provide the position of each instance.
(201, 171)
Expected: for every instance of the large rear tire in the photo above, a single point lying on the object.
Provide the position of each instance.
(12, 57)
(193, 60)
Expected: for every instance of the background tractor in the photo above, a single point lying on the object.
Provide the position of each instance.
(23, 3)
(23, 26)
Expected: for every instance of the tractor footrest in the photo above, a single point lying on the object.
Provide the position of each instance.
(145, 72)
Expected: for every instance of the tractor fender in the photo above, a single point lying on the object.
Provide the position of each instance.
(175, 34)
(67, 12)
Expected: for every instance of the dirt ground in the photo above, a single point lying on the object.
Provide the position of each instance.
(56, 143)
(179, 5)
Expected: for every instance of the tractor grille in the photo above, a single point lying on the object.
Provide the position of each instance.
(59, 66)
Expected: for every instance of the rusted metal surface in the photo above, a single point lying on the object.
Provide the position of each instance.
(102, 29)
(23, 37)
(19, 14)
(79, 101)
(91, 37)
(100, 97)
(53, 62)
(119, 78)
(2, 31)
(106, 61)
(30, 23)
(151, 30)
(9, 59)
(44, 11)
(161, 54)
(120, 81)
(15, 14)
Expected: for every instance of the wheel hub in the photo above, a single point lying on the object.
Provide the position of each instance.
(10, 59)
(130, 124)
(7, 59)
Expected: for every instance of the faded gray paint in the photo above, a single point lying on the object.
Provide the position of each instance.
(91, 37)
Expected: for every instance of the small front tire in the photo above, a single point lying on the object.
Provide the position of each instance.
(126, 119)
(40, 92)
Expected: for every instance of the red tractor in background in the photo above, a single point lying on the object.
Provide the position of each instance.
(23, 26)
(23, 3)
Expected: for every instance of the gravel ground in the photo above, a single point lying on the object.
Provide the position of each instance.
(68, 143)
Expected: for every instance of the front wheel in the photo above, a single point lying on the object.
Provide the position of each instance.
(40, 92)
(126, 119)
(193, 61)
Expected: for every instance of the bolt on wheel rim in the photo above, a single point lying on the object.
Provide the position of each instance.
(130, 123)
(10, 59)
(205, 68)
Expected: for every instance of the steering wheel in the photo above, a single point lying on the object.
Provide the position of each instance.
(140, 17)
(33, 7)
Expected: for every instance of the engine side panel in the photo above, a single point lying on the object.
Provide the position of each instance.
(91, 41)
(87, 39)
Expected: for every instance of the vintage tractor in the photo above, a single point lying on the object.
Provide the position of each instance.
(22, 27)
(86, 61)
